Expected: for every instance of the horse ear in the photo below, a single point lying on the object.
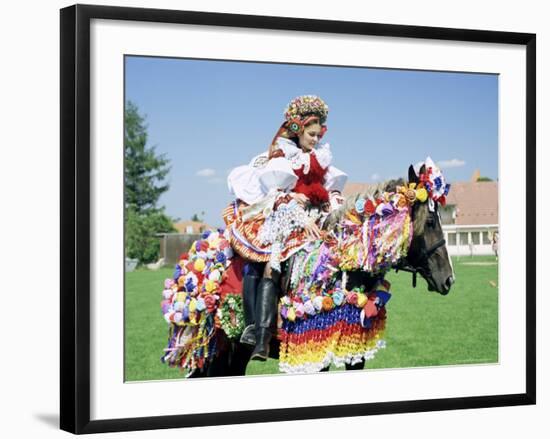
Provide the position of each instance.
(422, 169)
(413, 178)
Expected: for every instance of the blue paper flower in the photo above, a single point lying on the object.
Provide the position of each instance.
(189, 285)
(360, 205)
(338, 297)
(387, 209)
(383, 298)
(177, 272)
(205, 234)
(220, 257)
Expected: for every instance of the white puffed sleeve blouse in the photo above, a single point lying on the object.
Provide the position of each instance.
(250, 183)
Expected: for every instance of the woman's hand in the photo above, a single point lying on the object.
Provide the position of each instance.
(312, 230)
(301, 199)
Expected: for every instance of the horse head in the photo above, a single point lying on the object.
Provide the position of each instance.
(427, 253)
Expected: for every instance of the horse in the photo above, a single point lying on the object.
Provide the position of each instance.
(427, 255)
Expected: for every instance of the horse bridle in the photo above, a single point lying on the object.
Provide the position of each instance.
(425, 253)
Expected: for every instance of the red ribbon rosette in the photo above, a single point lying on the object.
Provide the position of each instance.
(370, 208)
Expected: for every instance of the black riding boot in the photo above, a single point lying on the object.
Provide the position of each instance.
(266, 318)
(250, 284)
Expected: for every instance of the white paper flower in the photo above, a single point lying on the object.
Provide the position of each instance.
(318, 303)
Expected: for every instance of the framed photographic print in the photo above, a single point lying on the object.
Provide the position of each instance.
(332, 218)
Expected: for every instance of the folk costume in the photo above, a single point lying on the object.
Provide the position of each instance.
(265, 224)
(262, 206)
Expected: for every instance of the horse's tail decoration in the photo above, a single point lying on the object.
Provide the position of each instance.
(203, 295)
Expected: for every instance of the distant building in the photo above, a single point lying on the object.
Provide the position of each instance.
(191, 227)
(475, 203)
(172, 245)
(473, 208)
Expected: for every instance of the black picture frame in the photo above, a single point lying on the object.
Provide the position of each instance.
(75, 217)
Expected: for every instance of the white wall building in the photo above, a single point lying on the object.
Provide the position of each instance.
(469, 240)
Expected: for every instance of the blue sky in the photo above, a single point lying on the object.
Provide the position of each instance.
(209, 116)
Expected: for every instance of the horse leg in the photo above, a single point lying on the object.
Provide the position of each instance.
(219, 366)
(198, 373)
(240, 356)
(356, 366)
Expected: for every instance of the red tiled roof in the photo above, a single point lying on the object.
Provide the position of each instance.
(354, 188)
(476, 202)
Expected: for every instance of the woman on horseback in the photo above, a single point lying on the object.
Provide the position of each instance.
(280, 198)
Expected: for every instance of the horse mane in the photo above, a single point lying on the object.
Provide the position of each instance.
(420, 214)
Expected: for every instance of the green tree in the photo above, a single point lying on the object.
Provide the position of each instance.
(144, 174)
(144, 169)
(141, 241)
(484, 179)
(196, 217)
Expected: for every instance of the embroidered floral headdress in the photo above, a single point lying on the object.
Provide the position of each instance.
(306, 105)
(302, 110)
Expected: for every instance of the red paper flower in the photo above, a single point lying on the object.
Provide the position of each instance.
(370, 208)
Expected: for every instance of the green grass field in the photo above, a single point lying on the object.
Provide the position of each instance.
(423, 328)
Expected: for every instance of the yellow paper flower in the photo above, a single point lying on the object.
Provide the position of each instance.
(353, 218)
(411, 195)
(215, 243)
(291, 315)
(422, 195)
(193, 305)
(210, 285)
(180, 297)
(412, 185)
(199, 265)
(361, 300)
